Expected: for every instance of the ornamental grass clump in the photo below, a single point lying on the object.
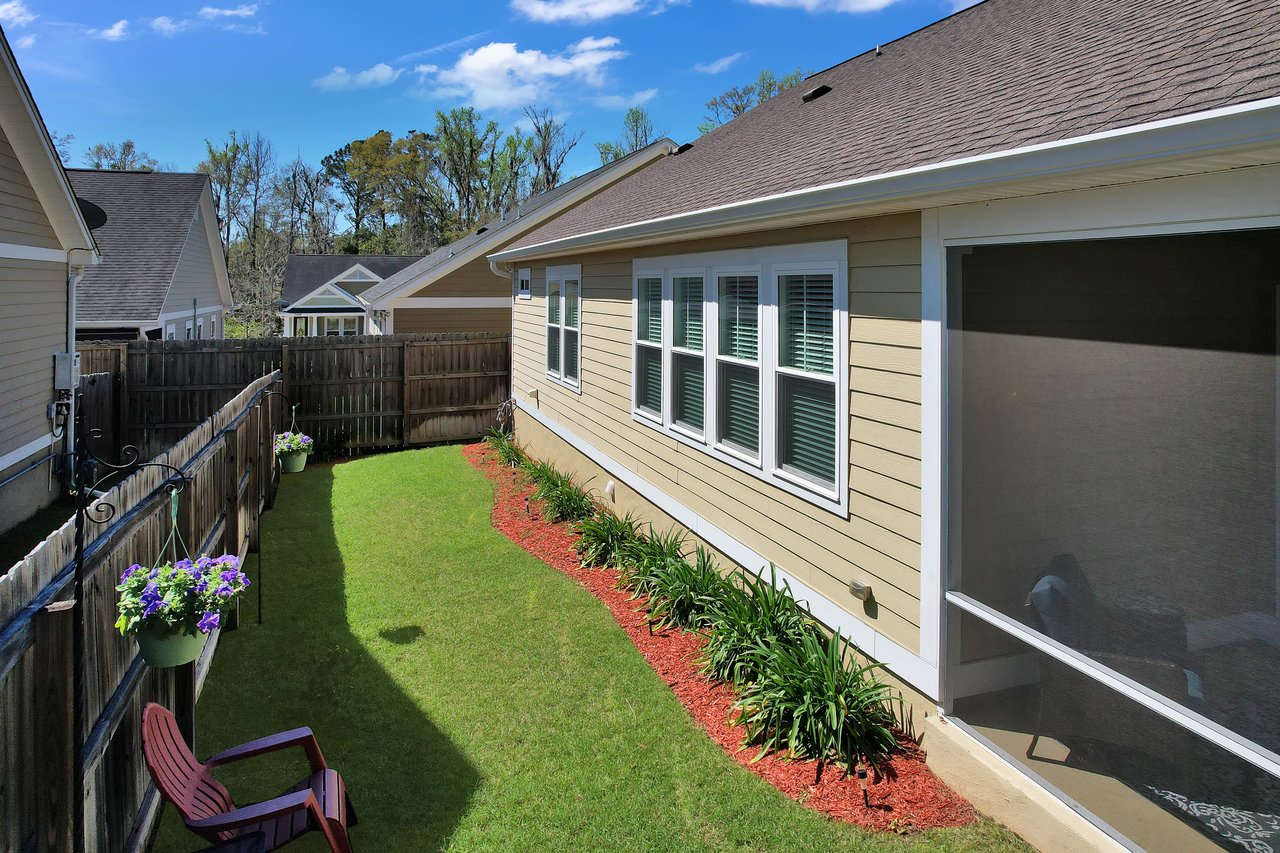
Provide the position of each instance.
(183, 597)
(509, 453)
(810, 700)
(751, 612)
(604, 537)
(562, 499)
(294, 442)
(648, 557)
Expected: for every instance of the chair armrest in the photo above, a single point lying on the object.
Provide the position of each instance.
(258, 812)
(272, 743)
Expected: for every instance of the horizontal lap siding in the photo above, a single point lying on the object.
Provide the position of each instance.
(33, 326)
(452, 320)
(471, 279)
(22, 219)
(879, 541)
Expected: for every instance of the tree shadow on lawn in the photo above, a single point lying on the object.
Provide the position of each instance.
(304, 666)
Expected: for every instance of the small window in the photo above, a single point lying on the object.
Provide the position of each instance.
(200, 328)
(170, 332)
(564, 324)
(807, 426)
(738, 364)
(187, 329)
(688, 362)
(524, 283)
(648, 348)
(300, 327)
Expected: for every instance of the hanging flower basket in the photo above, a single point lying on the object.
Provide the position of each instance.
(292, 449)
(172, 608)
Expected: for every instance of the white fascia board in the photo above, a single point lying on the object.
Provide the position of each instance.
(209, 215)
(903, 662)
(341, 293)
(354, 267)
(482, 248)
(1237, 127)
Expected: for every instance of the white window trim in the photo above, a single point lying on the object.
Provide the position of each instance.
(559, 275)
(767, 263)
(188, 329)
(524, 283)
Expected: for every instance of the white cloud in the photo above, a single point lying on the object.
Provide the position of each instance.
(501, 75)
(718, 65)
(829, 5)
(116, 32)
(625, 102)
(248, 10)
(341, 80)
(167, 26)
(26, 41)
(577, 11)
(16, 14)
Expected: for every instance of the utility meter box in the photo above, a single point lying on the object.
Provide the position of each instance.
(66, 371)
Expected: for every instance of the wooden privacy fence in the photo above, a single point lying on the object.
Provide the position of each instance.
(230, 462)
(352, 393)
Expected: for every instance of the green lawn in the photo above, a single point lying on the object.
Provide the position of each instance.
(473, 697)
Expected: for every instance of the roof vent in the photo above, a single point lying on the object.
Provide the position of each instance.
(684, 148)
(482, 229)
(815, 93)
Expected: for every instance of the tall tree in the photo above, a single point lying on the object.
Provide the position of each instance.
(304, 208)
(463, 141)
(637, 132)
(552, 144)
(348, 169)
(62, 144)
(258, 163)
(226, 170)
(733, 102)
(124, 157)
(415, 189)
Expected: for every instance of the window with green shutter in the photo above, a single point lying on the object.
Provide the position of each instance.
(806, 384)
(648, 346)
(738, 364)
(688, 364)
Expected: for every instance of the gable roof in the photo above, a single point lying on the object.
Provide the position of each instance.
(304, 273)
(27, 135)
(149, 215)
(1000, 75)
(527, 215)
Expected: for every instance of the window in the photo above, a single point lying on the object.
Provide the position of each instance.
(170, 332)
(564, 324)
(200, 328)
(188, 329)
(648, 367)
(300, 327)
(744, 355)
(524, 283)
(341, 326)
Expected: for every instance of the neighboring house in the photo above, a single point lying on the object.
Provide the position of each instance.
(453, 289)
(44, 245)
(163, 273)
(322, 294)
(974, 336)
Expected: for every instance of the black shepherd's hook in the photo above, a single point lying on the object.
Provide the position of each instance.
(257, 507)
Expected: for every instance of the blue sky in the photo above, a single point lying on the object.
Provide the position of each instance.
(313, 75)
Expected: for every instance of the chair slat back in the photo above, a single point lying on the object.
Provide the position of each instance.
(180, 778)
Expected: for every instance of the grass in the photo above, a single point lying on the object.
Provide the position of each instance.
(473, 697)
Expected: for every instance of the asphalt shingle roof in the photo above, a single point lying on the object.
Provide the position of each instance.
(1000, 75)
(498, 231)
(304, 273)
(149, 215)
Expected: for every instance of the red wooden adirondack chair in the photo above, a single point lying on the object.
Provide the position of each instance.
(319, 802)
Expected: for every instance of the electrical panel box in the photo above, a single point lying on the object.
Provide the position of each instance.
(66, 371)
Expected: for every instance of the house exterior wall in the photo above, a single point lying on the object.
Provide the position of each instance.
(194, 277)
(33, 326)
(22, 219)
(452, 320)
(474, 280)
(878, 541)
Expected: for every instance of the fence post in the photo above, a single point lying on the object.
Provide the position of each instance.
(55, 758)
(122, 400)
(404, 393)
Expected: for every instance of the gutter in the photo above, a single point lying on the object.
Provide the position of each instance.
(1239, 127)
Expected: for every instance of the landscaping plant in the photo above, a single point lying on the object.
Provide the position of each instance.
(751, 612)
(561, 497)
(643, 560)
(808, 699)
(604, 537)
(509, 453)
(683, 594)
(294, 442)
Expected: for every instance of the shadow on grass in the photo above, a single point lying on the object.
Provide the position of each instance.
(304, 666)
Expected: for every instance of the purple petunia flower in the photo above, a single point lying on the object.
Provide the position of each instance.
(201, 587)
(208, 622)
(225, 590)
(155, 573)
(125, 575)
(229, 576)
(151, 608)
(183, 564)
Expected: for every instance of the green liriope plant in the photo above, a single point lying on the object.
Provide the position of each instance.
(604, 537)
(752, 611)
(684, 594)
(509, 453)
(807, 699)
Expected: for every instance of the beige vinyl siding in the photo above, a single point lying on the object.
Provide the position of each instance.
(33, 326)
(471, 279)
(22, 218)
(194, 277)
(878, 542)
(452, 320)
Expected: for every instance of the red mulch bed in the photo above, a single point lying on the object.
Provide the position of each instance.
(907, 798)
